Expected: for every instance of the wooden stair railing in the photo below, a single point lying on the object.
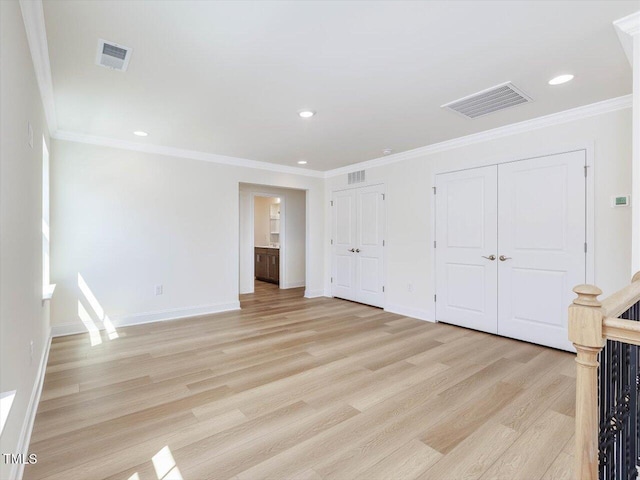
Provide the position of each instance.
(591, 324)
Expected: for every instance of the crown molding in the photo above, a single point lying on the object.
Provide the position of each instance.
(629, 24)
(606, 106)
(33, 17)
(626, 28)
(182, 153)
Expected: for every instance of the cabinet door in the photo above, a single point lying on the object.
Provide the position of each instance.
(274, 268)
(466, 248)
(261, 270)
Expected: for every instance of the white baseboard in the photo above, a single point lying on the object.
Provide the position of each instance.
(314, 293)
(148, 317)
(17, 469)
(410, 312)
(284, 286)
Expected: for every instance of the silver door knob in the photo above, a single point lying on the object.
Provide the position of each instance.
(502, 258)
(357, 250)
(352, 250)
(490, 257)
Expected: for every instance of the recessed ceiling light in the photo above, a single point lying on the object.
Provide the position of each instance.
(302, 162)
(306, 113)
(559, 80)
(140, 133)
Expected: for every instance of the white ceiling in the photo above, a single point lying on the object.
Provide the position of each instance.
(229, 77)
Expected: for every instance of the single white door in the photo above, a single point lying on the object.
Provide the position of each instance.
(541, 238)
(466, 248)
(369, 245)
(343, 256)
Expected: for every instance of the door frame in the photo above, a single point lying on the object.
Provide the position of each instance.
(252, 225)
(588, 148)
(384, 229)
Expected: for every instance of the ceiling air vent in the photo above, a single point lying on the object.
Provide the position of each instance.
(356, 177)
(113, 56)
(491, 100)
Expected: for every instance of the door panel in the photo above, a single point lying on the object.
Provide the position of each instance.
(344, 239)
(370, 237)
(466, 231)
(542, 231)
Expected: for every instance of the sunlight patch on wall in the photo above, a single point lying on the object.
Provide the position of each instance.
(93, 302)
(94, 331)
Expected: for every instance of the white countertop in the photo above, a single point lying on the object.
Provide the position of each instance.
(266, 246)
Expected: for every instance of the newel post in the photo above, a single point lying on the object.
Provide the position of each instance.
(585, 331)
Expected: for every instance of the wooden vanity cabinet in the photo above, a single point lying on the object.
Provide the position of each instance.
(267, 264)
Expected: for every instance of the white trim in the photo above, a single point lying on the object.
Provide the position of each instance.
(315, 294)
(33, 17)
(590, 214)
(148, 317)
(626, 28)
(585, 111)
(27, 426)
(182, 153)
(48, 292)
(606, 106)
(416, 313)
(629, 24)
(299, 284)
(282, 274)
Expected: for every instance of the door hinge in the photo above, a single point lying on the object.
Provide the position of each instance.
(383, 288)
(383, 197)
(585, 247)
(331, 279)
(383, 243)
(434, 190)
(434, 298)
(332, 203)
(332, 241)
(585, 170)
(434, 244)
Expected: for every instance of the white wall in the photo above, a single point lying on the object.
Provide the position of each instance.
(127, 221)
(23, 317)
(295, 237)
(409, 252)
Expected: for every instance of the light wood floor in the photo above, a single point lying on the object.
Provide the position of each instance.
(306, 389)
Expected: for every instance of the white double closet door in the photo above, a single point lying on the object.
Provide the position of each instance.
(357, 270)
(510, 246)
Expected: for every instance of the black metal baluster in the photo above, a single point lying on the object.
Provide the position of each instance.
(619, 386)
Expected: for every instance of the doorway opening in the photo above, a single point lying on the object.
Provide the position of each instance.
(272, 238)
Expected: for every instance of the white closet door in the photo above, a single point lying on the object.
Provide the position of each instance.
(466, 234)
(369, 247)
(344, 245)
(541, 239)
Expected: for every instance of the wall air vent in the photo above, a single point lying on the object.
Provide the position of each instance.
(113, 56)
(356, 177)
(488, 101)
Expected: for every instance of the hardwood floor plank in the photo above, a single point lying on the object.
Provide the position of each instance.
(530, 456)
(306, 389)
(474, 455)
(407, 462)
